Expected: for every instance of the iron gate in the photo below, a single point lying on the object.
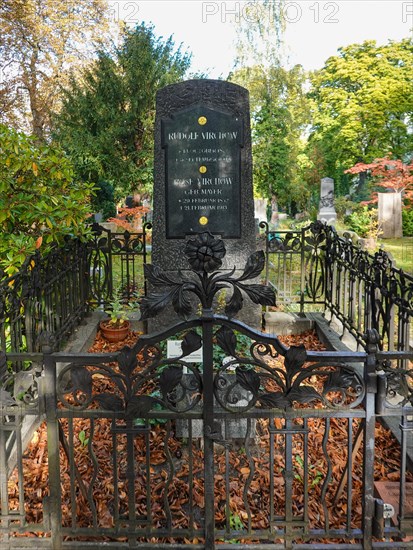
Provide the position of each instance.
(231, 442)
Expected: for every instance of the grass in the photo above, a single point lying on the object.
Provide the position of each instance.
(401, 250)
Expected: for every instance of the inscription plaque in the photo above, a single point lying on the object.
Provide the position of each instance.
(203, 172)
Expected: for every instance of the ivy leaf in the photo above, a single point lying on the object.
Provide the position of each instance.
(181, 303)
(154, 303)
(139, 405)
(295, 357)
(110, 402)
(226, 340)
(81, 380)
(248, 379)
(274, 400)
(191, 342)
(303, 394)
(338, 380)
(127, 361)
(157, 277)
(260, 294)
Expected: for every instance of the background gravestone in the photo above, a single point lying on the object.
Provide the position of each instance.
(390, 215)
(327, 213)
(203, 177)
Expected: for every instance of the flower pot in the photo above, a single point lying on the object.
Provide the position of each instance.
(113, 333)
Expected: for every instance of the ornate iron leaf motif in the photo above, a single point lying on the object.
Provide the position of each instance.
(190, 343)
(315, 243)
(205, 254)
(281, 385)
(139, 382)
(289, 242)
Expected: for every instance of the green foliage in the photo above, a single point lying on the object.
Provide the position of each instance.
(83, 439)
(364, 222)
(106, 121)
(104, 200)
(280, 113)
(40, 203)
(407, 217)
(363, 101)
(342, 206)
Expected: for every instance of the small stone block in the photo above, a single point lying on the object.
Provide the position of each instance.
(389, 492)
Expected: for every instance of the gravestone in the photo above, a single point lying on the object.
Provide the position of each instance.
(260, 208)
(202, 178)
(390, 215)
(326, 211)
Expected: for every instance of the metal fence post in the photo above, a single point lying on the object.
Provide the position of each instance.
(372, 339)
(53, 449)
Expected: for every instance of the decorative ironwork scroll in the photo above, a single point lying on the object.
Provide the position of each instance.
(21, 388)
(268, 380)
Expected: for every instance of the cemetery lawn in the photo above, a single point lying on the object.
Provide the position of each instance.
(401, 250)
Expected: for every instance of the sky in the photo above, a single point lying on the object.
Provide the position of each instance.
(315, 29)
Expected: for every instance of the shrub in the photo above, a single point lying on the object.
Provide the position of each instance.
(407, 216)
(39, 202)
(364, 222)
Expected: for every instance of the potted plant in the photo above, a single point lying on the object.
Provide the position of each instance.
(117, 326)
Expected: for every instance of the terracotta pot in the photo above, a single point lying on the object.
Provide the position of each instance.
(114, 334)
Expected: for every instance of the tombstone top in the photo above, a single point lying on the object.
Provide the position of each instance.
(200, 183)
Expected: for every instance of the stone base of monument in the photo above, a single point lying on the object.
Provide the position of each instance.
(283, 324)
(327, 216)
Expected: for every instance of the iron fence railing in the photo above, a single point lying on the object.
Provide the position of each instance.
(310, 267)
(51, 294)
(237, 446)
(47, 298)
(116, 264)
(273, 448)
(362, 291)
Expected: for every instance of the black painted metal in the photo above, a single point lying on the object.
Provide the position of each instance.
(116, 264)
(362, 291)
(50, 295)
(45, 300)
(176, 427)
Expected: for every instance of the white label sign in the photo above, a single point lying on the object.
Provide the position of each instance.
(174, 349)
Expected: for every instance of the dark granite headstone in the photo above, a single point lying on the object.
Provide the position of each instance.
(203, 177)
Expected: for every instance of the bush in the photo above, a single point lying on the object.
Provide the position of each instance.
(39, 202)
(342, 205)
(407, 216)
(364, 222)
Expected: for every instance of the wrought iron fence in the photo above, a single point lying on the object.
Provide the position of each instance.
(361, 290)
(48, 296)
(295, 266)
(116, 264)
(238, 447)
